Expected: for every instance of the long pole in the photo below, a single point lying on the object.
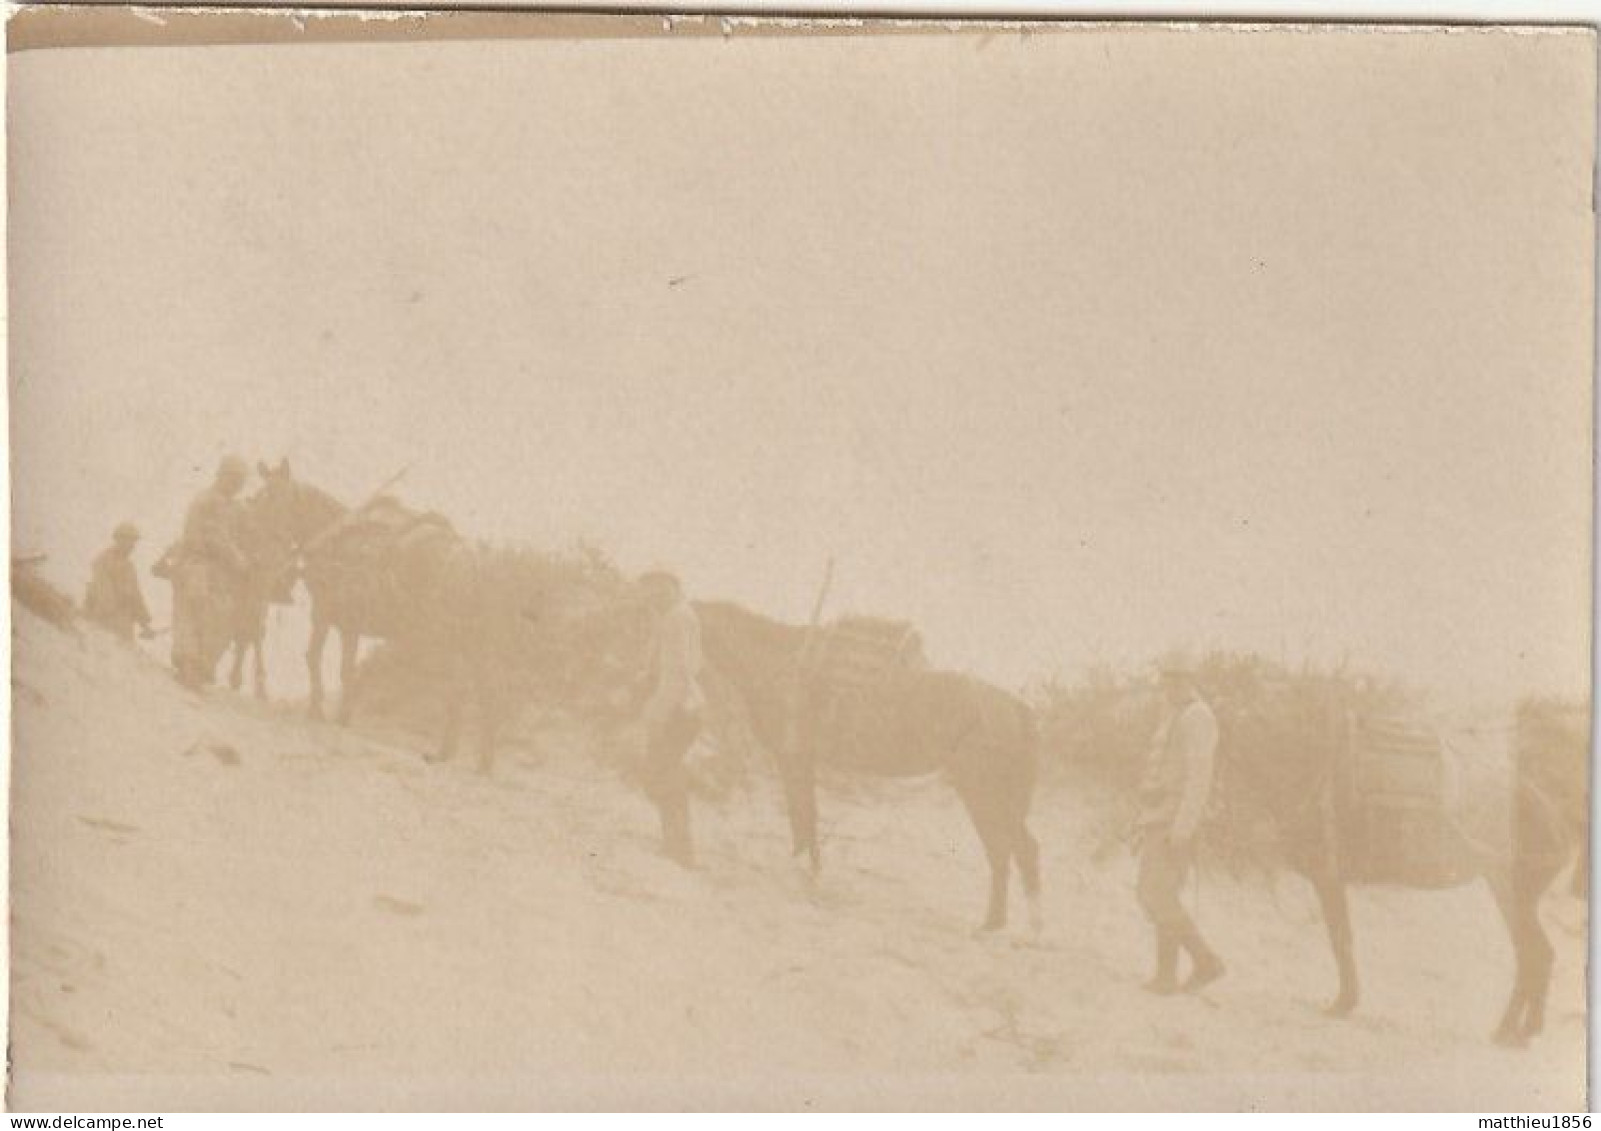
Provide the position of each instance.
(343, 520)
(817, 611)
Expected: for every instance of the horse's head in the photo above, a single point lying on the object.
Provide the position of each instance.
(289, 508)
(275, 506)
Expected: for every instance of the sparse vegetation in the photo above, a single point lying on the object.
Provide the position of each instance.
(37, 595)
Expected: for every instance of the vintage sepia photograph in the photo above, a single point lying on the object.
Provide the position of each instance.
(638, 562)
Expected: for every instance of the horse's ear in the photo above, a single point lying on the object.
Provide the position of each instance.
(283, 467)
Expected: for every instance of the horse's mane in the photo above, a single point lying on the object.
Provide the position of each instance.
(313, 499)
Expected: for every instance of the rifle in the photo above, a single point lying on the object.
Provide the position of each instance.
(792, 716)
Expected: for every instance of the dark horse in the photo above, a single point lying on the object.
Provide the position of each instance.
(386, 572)
(1515, 822)
(921, 722)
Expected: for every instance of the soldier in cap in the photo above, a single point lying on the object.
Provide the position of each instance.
(206, 567)
(1173, 795)
(672, 712)
(114, 600)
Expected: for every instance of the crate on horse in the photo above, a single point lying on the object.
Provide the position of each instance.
(856, 659)
(1400, 796)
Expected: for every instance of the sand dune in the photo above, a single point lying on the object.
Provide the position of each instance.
(221, 905)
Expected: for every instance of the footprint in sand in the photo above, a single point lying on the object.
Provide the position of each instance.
(106, 824)
(397, 906)
(221, 751)
(63, 1032)
(1160, 1062)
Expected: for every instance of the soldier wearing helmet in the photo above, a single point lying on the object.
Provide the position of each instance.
(206, 568)
(1173, 795)
(114, 600)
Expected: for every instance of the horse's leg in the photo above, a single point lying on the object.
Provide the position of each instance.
(998, 837)
(1539, 955)
(1025, 849)
(1539, 963)
(257, 645)
(236, 674)
(1509, 1030)
(799, 778)
(349, 642)
(319, 637)
(452, 729)
(1579, 883)
(1336, 907)
(1028, 869)
(488, 716)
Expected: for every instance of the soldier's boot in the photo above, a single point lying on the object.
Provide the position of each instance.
(677, 842)
(1165, 980)
(1205, 966)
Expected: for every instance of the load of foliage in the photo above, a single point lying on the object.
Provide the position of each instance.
(1096, 735)
(562, 633)
(37, 595)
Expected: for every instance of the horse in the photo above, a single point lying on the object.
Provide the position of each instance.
(1516, 827)
(386, 572)
(922, 722)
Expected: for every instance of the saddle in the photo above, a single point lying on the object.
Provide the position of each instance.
(395, 554)
(859, 653)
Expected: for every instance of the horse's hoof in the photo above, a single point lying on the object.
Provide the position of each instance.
(1342, 1006)
(1205, 973)
(1510, 1039)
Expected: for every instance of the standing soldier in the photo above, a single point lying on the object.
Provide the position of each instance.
(672, 713)
(206, 567)
(1173, 796)
(114, 600)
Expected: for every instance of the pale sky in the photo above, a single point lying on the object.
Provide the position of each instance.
(1069, 347)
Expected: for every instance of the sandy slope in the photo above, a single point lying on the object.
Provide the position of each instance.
(220, 905)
